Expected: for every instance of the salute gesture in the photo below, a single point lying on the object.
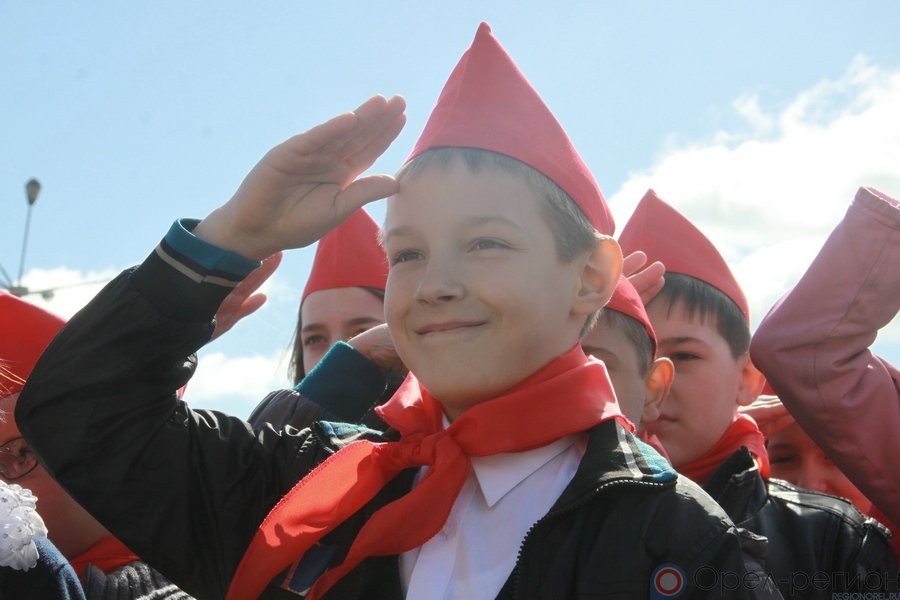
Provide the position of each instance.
(306, 186)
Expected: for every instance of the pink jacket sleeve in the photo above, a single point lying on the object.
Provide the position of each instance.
(813, 348)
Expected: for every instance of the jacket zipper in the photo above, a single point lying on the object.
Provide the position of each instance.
(517, 571)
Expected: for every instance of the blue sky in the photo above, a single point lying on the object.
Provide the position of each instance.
(757, 120)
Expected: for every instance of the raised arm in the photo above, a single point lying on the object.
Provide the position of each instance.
(186, 489)
(813, 348)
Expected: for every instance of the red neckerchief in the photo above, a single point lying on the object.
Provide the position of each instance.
(569, 395)
(743, 431)
(107, 555)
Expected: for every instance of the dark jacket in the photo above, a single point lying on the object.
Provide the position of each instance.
(810, 533)
(186, 489)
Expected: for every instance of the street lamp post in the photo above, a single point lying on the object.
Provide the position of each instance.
(32, 189)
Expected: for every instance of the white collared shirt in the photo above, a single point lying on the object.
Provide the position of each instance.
(503, 496)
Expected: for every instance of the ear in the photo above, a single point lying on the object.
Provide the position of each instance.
(752, 381)
(599, 275)
(658, 381)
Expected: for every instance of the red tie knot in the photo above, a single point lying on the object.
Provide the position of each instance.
(414, 450)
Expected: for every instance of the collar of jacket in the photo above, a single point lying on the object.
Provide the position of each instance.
(614, 455)
(738, 486)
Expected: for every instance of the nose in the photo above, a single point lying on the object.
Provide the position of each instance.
(440, 282)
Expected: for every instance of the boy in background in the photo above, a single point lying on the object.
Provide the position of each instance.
(624, 340)
(701, 319)
(508, 470)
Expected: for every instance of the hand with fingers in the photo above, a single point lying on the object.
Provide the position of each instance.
(377, 345)
(769, 413)
(306, 186)
(647, 279)
(242, 301)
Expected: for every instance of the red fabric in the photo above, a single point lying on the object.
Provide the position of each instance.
(626, 300)
(487, 103)
(666, 235)
(25, 331)
(107, 555)
(742, 432)
(569, 395)
(349, 256)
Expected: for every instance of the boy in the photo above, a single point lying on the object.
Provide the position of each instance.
(701, 321)
(624, 340)
(495, 369)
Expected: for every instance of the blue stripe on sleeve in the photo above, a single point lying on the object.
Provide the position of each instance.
(207, 255)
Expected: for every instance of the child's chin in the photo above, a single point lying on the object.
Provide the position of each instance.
(457, 399)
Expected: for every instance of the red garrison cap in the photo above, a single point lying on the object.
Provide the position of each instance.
(666, 235)
(487, 103)
(349, 256)
(626, 300)
(25, 330)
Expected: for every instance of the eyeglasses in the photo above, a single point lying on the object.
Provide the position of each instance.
(16, 459)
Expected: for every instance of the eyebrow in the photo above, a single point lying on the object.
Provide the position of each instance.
(589, 349)
(351, 322)
(406, 230)
(681, 340)
(780, 446)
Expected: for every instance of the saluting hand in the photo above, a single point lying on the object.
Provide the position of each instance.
(306, 186)
(648, 280)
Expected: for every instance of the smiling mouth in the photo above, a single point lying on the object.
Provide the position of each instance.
(445, 328)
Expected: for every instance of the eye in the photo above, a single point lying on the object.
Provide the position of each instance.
(405, 256)
(23, 454)
(683, 356)
(488, 244)
(314, 340)
(16, 459)
(781, 460)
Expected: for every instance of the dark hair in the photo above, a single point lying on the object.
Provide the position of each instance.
(634, 332)
(572, 231)
(698, 298)
(296, 371)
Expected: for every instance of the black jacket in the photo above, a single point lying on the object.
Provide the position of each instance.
(810, 534)
(186, 489)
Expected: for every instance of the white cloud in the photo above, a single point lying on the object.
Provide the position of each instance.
(64, 291)
(769, 198)
(235, 384)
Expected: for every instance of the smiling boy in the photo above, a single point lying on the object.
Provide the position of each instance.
(508, 470)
